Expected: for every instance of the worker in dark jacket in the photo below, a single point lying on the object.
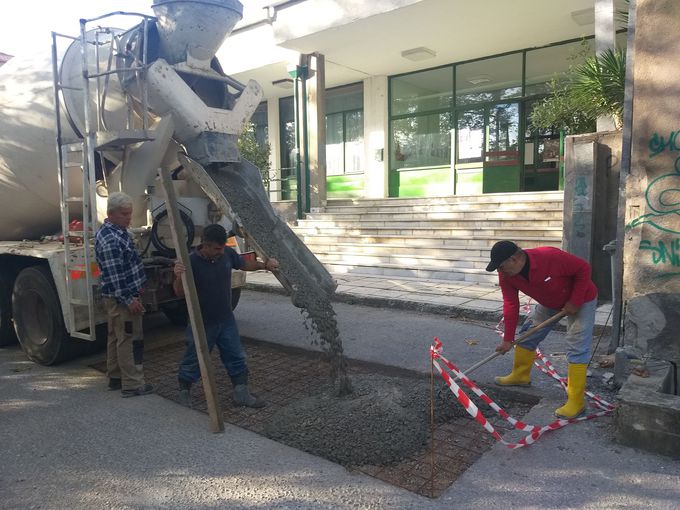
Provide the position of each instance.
(211, 264)
(557, 281)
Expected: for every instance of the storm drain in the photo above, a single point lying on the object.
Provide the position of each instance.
(384, 429)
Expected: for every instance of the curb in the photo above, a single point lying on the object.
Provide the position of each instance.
(456, 312)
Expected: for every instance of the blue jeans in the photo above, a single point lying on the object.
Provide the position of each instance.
(225, 335)
(579, 330)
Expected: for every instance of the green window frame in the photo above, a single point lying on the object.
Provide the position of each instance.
(521, 79)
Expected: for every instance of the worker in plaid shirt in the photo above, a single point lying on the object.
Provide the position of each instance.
(122, 279)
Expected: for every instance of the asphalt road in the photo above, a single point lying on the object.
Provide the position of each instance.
(65, 442)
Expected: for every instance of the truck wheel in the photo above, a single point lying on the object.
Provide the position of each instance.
(177, 313)
(37, 316)
(7, 334)
(235, 297)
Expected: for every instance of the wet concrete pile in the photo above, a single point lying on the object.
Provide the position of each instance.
(242, 186)
(387, 419)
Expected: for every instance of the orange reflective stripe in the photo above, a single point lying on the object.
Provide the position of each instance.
(76, 274)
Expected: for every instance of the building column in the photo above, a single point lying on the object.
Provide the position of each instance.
(605, 39)
(316, 129)
(376, 126)
(274, 139)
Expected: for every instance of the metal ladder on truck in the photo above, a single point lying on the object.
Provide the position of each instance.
(78, 243)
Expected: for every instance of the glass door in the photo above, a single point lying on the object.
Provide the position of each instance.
(487, 148)
(541, 156)
(470, 144)
(502, 168)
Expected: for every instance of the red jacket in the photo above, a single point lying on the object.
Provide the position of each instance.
(555, 278)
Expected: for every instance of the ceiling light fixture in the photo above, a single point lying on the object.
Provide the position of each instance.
(583, 17)
(418, 54)
(285, 83)
(482, 78)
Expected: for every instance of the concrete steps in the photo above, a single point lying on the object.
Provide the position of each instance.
(445, 238)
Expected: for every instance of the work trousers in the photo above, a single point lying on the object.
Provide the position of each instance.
(579, 330)
(125, 345)
(225, 336)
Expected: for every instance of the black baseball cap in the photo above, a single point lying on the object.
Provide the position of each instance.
(500, 252)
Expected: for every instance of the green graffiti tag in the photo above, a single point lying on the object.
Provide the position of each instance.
(662, 253)
(657, 144)
(663, 199)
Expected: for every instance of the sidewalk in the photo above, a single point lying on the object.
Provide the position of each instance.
(68, 443)
(457, 299)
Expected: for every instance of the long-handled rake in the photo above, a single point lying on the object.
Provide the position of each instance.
(518, 340)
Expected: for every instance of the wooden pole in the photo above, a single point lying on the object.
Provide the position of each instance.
(195, 317)
(431, 427)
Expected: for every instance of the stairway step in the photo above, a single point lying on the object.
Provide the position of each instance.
(387, 222)
(403, 260)
(451, 253)
(448, 215)
(427, 241)
(507, 198)
(442, 208)
(448, 274)
(480, 233)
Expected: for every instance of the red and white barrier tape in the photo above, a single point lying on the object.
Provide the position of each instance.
(526, 308)
(534, 430)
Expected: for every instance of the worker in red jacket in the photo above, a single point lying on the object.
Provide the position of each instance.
(556, 280)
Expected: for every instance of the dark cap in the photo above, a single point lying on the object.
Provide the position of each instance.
(501, 252)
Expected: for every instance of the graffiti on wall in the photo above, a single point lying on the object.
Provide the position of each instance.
(663, 193)
(658, 144)
(663, 208)
(665, 254)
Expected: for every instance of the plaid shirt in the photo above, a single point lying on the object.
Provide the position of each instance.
(122, 273)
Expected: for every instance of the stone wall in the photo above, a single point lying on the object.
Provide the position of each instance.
(651, 278)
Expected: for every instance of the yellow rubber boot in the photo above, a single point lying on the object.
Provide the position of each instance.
(576, 387)
(521, 369)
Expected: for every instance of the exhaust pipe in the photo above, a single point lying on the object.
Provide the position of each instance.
(193, 30)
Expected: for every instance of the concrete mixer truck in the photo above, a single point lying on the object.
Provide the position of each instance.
(108, 111)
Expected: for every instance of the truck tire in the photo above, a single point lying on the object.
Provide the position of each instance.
(235, 297)
(178, 314)
(7, 334)
(38, 321)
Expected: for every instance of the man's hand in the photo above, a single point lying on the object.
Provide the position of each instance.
(179, 269)
(504, 347)
(570, 309)
(136, 307)
(271, 264)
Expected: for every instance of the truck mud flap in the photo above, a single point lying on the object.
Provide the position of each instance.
(237, 187)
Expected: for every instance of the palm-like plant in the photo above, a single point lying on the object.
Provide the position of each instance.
(599, 85)
(593, 89)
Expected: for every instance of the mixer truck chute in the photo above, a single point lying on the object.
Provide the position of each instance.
(122, 105)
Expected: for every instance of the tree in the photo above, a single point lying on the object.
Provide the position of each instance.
(592, 89)
(255, 152)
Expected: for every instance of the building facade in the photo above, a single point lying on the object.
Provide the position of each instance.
(422, 98)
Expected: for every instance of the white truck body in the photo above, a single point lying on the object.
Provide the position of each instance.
(154, 100)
